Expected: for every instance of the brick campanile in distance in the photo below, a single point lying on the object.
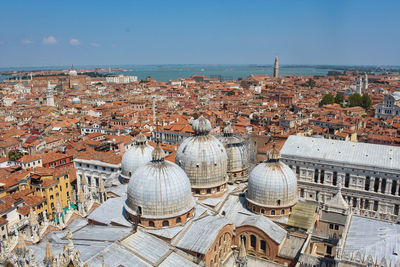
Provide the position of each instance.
(276, 68)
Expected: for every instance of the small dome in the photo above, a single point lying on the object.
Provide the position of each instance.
(159, 189)
(76, 100)
(272, 183)
(138, 155)
(72, 71)
(201, 126)
(236, 149)
(203, 157)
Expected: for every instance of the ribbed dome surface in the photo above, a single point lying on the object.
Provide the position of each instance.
(236, 149)
(272, 184)
(204, 160)
(160, 189)
(136, 156)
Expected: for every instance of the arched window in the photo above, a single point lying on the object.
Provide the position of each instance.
(272, 212)
(253, 241)
(253, 208)
(263, 245)
(178, 220)
(282, 211)
(262, 211)
(165, 223)
(151, 223)
(208, 191)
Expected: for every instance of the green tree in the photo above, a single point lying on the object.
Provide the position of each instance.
(366, 101)
(15, 155)
(327, 99)
(355, 100)
(339, 98)
(231, 93)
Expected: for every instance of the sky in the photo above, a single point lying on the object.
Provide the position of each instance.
(61, 33)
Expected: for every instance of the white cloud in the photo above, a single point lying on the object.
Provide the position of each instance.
(94, 44)
(74, 42)
(49, 40)
(26, 42)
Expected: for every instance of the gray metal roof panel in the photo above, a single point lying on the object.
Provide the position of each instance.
(147, 246)
(375, 238)
(363, 154)
(174, 259)
(201, 234)
(116, 255)
(334, 217)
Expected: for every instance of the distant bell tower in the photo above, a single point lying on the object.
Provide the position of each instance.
(365, 84)
(49, 95)
(276, 68)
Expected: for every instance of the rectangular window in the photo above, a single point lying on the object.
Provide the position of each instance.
(375, 205)
(396, 209)
(334, 180)
(376, 184)
(383, 186)
(316, 174)
(347, 180)
(329, 250)
(367, 182)
(330, 226)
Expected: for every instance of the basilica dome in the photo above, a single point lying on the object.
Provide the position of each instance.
(238, 155)
(203, 157)
(272, 187)
(138, 155)
(159, 193)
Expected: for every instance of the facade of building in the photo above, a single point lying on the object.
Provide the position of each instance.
(121, 79)
(369, 173)
(390, 106)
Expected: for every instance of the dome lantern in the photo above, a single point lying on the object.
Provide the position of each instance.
(158, 154)
(201, 126)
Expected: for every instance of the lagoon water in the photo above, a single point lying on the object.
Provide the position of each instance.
(172, 72)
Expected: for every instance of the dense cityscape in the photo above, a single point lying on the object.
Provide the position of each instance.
(212, 134)
(263, 171)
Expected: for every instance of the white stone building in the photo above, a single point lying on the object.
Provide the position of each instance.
(121, 79)
(390, 106)
(369, 173)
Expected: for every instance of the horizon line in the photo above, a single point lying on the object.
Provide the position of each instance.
(199, 64)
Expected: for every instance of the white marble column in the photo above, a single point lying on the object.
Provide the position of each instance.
(371, 184)
(388, 187)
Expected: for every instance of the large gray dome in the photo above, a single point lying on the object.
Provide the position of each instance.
(159, 189)
(236, 149)
(272, 184)
(203, 157)
(138, 155)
